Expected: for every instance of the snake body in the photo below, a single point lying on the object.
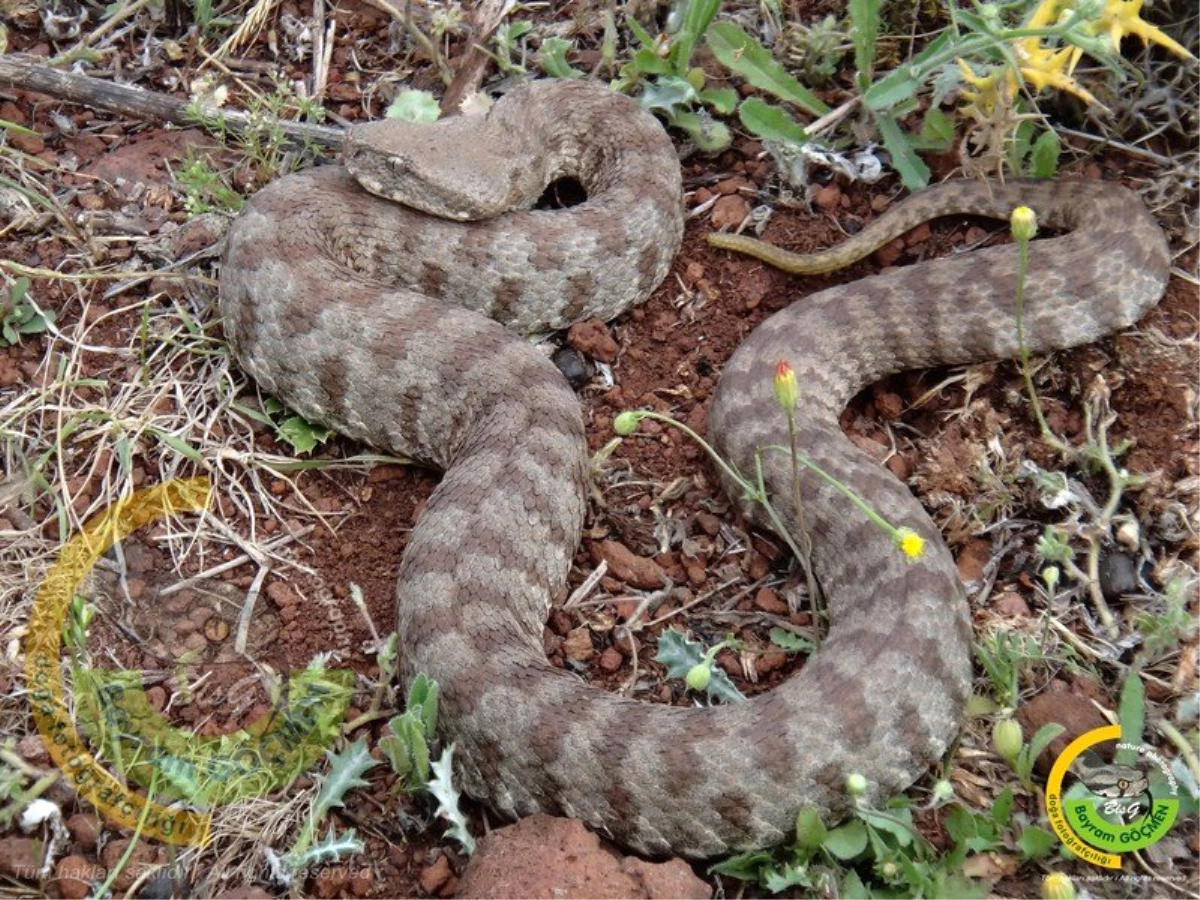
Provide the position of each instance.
(365, 314)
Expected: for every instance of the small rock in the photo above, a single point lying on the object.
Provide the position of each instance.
(732, 185)
(768, 601)
(1011, 605)
(573, 365)
(283, 595)
(828, 197)
(899, 465)
(592, 338)
(84, 828)
(1118, 575)
(611, 660)
(708, 523)
(918, 235)
(19, 857)
(27, 143)
(578, 644)
(75, 876)
(889, 253)
(673, 878)
(544, 857)
(362, 881)
(972, 558)
(33, 750)
(142, 857)
(627, 566)
(729, 212)
(328, 882)
(890, 405)
(693, 273)
(216, 630)
(433, 876)
(1075, 713)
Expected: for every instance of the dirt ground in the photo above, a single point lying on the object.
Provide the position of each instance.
(958, 437)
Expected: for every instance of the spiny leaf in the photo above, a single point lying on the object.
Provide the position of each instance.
(329, 850)
(1131, 712)
(680, 655)
(552, 57)
(345, 774)
(790, 642)
(443, 790)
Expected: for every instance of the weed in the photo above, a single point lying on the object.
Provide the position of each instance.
(19, 316)
(205, 189)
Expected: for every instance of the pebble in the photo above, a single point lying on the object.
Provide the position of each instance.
(75, 876)
(435, 875)
(578, 644)
(84, 828)
(19, 857)
(592, 338)
(1118, 575)
(972, 558)
(1011, 605)
(547, 857)
(729, 212)
(636, 571)
(611, 660)
(768, 601)
(573, 365)
(828, 197)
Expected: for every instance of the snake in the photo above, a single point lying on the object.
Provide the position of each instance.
(389, 297)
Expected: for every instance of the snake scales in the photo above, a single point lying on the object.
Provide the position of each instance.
(365, 314)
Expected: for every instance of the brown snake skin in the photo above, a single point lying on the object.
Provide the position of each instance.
(358, 313)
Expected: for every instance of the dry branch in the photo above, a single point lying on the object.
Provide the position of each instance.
(124, 100)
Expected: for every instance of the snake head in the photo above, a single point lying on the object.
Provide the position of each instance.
(446, 168)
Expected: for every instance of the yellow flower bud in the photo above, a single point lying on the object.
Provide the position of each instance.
(856, 784)
(1008, 738)
(786, 391)
(1057, 886)
(1024, 223)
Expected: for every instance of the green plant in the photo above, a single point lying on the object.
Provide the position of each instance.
(205, 189)
(690, 661)
(879, 853)
(407, 747)
(1004, 654)
(19, 316)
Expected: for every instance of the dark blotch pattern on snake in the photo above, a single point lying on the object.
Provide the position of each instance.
(374, 319)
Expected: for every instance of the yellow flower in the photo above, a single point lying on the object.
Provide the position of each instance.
(910, 543)
(1122, 17)
(982, 102)
(786, 391)
(1023, 223)
(1043, 68)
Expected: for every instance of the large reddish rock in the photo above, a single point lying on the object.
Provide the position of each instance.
(547, 858)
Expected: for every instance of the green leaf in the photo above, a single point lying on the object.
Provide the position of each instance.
(709, 135)
(848, 841)
(345, 774)
(742, 54)
(1003, 807)
(912, 169)
(1035, 842)
(647, 62)
(810, 830)
(790, 642)
(1131, 713)
(697, 14)
(679, 656)
(904, 81)
(723, 100)
(864, 30)
(1042, 738)
(1044, 155)
(768, 121)
(897, 822)
(184, 449)
(744, 866)
(853, 888)
(552, 57)
(640, 34)
(937, 131)
(780, 878)
(301, 434)
(413, 106)
(669, 93)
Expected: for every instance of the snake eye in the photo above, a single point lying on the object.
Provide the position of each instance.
(397, 165)
(1122, 784)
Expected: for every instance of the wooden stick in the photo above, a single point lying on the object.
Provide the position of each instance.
(21, 73)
